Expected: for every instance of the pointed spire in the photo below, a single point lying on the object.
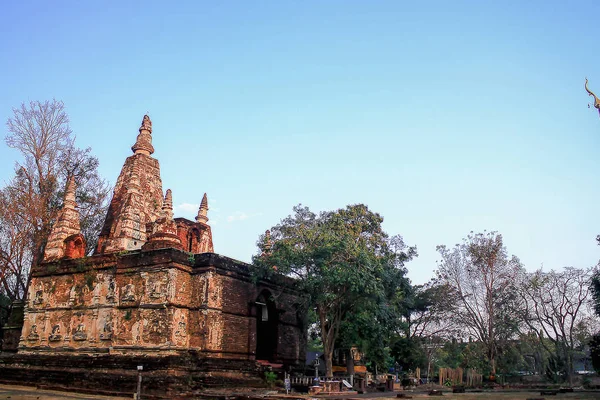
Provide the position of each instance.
(143, 144)
(268, 243)
(67, 227)
(70, 192)
(203, 210)
(167, 207)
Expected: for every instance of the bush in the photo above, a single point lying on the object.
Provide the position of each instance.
(270, 378)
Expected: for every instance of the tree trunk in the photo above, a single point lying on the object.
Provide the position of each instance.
(328, 355)
(570, 366)
(328, 341)
(349, 363)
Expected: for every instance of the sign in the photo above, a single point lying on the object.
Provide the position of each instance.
(347, 384)
(288, 384)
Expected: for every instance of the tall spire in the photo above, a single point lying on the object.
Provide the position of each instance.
(137, 198)
(65, 239)
(143, 144)
(203, 210)
(167, 207)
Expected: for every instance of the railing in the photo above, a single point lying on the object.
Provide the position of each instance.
(308, 380)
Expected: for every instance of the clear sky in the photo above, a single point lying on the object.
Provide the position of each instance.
(443, 116)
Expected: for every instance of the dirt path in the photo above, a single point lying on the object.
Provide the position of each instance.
(14, 392)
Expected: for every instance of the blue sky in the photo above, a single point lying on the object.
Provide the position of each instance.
(444, 117)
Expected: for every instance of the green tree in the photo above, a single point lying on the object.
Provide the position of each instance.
(371, 326)
(342, 260)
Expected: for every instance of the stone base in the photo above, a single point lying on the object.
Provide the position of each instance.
(162, 377)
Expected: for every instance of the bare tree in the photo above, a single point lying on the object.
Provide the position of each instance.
(556, 306)
(483, 277)
(31, 200)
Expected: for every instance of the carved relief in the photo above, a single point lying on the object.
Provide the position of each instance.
(110, 295)
(156, 290)
(181, 332)
(39, 294)
(55, 336)
(155, 328)
(77, 295)
(33, 334)
(128, 293)
(107, 329)
(80, 333)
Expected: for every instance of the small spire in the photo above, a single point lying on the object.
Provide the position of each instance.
(66, 228)
(203, 210)
(268, 244)
(167, 207)
(143, 144)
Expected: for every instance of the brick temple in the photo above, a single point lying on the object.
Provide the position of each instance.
(153, 294)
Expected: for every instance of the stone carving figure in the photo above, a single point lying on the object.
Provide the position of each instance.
(39, 295)
(33, 335)
(596, 99)
(55, 336)
(129, 293)
(155, 328)
(180, 332)
(155, 291)
(80, 333)
(110, 296)
(107, 330)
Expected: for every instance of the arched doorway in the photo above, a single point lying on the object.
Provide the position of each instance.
(266, 327)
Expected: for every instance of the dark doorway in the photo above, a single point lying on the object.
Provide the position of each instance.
(266, 327)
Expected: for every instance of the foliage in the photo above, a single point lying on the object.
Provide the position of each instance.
(428, 310)
(409, 353)
(31, 201)
(370, 327)
(425, 321)
(342, 261)
(484, 277)
(270, 378)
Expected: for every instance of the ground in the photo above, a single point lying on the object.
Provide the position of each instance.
(30, 393)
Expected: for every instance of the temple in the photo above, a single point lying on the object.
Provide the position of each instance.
(153, 294)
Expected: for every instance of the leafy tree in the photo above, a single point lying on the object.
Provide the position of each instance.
(483, 276)
(31, 200)
(410, 353)
(342, 260)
